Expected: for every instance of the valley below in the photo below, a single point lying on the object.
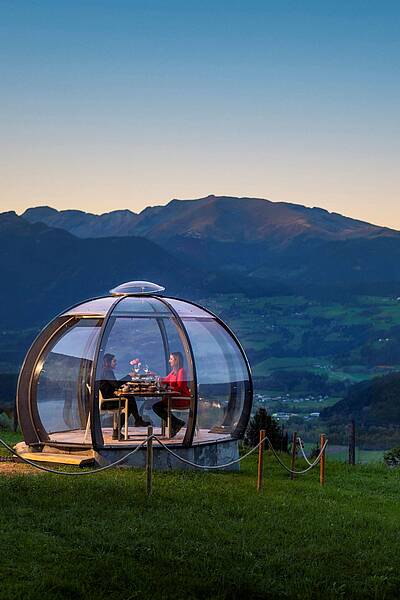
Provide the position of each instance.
(305, 354)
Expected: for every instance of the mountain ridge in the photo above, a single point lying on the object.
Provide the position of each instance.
(283, 243)
(221, 218)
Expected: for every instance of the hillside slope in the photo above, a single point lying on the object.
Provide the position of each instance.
(370, 403)
(44, 270)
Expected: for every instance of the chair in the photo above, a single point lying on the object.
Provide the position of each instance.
(116, 412)
(170, 408)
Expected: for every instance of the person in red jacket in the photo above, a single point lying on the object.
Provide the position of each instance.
(177, 381)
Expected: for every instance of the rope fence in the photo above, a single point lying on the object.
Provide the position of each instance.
(151, 437)
(71, 473)
(301, 446)
(311, 465)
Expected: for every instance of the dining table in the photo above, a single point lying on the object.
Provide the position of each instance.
(123, 394)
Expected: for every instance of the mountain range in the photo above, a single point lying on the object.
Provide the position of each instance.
(217, 218)
(274, 241)
(50, 259)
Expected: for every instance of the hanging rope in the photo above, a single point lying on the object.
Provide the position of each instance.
(232, 462)
(312, 465)
(301, 446)
(119, 461)
(189, 462)
(71, 473)
(184, 460)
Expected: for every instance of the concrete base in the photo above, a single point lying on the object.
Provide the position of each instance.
(213, 453)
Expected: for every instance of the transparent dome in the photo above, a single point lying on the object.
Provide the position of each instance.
(158, 360)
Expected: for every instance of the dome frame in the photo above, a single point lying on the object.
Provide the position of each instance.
(29, 420)
(34, 432)
(240, 429)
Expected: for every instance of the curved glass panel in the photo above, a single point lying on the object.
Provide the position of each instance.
(135, 374)
(99, 306)
(222, 376)
(137, 287)
(62, 379)
(185, 309)
(140, 306)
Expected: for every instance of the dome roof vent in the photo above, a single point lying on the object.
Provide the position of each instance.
(133, 288)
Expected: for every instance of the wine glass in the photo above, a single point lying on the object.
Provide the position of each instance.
(146, 371)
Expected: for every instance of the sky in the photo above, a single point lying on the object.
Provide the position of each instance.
(127, 104)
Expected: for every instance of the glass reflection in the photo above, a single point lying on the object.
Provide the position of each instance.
(185, 309)
(140, 307)
(62, 385)
(222, 376)
(150, 374)
(98, 307)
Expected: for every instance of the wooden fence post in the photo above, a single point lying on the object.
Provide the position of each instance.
(149, 461)
(294, 452)
(352, 443)
(260, 461)
(322, 460)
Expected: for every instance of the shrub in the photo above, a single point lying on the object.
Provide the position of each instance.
(6, 423)
(262, 420)
(392, 457)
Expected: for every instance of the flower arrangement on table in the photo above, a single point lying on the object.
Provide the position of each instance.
(137, 365)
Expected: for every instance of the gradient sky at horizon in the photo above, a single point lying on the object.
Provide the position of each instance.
(125, 104)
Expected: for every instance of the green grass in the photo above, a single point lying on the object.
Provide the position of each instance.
(10, 438)
(201, 535)
(341, 454)
(369, 456)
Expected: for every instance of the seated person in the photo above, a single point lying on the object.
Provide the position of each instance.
(109, 384)
(177, 381)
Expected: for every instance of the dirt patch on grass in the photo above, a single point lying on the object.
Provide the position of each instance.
(13, 468)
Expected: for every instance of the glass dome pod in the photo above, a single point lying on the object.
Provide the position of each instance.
(162, 360)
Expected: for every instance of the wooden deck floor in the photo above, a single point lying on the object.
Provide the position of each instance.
(136, 436)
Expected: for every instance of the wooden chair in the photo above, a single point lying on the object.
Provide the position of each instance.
(116, 412)
(170, 408)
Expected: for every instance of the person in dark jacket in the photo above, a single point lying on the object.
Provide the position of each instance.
(109, 384)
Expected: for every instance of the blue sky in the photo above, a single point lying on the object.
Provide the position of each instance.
(123, 104)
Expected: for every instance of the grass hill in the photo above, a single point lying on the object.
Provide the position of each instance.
(370, 403)
(201, 535)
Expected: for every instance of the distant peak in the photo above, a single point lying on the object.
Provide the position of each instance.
(42, 211)
(9, 215)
